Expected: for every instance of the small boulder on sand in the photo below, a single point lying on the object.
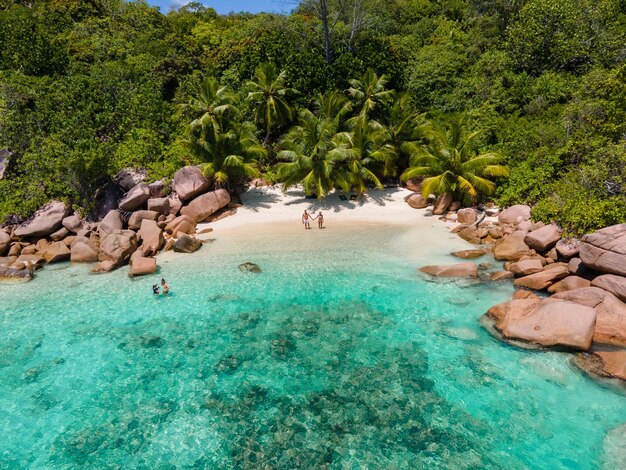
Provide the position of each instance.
(467, 216)
(442, 203)
(186, 244)
(416, 201)
(140, 265)
(468, 254)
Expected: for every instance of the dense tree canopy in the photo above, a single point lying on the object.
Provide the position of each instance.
(88, 88)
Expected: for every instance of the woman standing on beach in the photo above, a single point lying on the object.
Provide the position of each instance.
(320, 220)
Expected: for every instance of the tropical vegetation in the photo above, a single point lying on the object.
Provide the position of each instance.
(337, 94)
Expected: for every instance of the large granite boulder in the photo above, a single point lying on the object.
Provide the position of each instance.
(5, 242)
(616, 285)
(605, 250)
(611, 313)
(46, 220)
(135, 198)
(186, 244)
(111, 222)
(543, 238)
(73, 223)
(467, 216)
(569, 283)
(181, 224)
(544, 279)
(57, 251)
(568, 249)
(526, 267)
(547, 322)
(577, 267)
(160, 205)
(189, 182)
(512, 248)
(151, 237)
(416, 201)
(205, 205)
(134, 222)
(118, 246)
(157, 189)
(454, 270)
(84, 249)
(175, 204)
(141, 265)
(514, 214)
(442, 203)
(605, 362)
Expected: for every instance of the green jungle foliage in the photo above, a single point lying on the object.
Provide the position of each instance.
(456, 91)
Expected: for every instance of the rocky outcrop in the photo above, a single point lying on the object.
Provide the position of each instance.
(442, 203)
(111, 222)
(13, 275)
(118, 246)
(128, 178)
(543, 238)
(514, 214)
(611, 313)
(141, 266)
(181, 224)
(454, 270)
(134, 222)
(189, 182)
(577, 267)
(73, 223)
(568, 249)
(57, 251)
(604, 362)
(616, 285)
(526, 267)
(175, 204)
(467, 216)
(186, 244)
(544, 279)
(106, 198)
(416, 201)
(45, 221)
(569, 283)
(546, 322)
(468, 254)
(84, 249)
(512, 248)
(160, 205)
(135, 198)
(151, 238)
(605, 250)
(203, 206)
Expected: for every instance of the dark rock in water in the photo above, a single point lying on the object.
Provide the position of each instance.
(15, 275)
(250, 268)
(228, 364)
(186, 244)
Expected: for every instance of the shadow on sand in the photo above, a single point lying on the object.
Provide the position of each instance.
(337, 201)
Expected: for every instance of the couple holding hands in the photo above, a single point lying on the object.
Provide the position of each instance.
(306, 220)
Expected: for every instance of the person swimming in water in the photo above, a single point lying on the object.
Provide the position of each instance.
(155, 289)
(306, 220)
(166, 286)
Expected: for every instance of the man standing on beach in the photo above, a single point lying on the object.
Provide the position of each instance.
(306, 220)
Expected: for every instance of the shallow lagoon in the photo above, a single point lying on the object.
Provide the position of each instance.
(338, 355)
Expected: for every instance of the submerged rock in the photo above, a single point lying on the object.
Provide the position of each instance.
(186, 244)
(249, 267)
(11, 275)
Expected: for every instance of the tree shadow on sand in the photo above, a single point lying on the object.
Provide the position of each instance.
(337, 201)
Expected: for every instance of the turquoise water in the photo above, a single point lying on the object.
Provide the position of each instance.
(338, 355)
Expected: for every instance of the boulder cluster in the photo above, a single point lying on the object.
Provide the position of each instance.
(571, 293)
(143, 221)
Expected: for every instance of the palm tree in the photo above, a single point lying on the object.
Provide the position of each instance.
(355, 151)
(333, 105)
(268, 92)
(369, 92)
(451, 164)
(306, 150)
(229, 154)
(404, 132)
(211, 105)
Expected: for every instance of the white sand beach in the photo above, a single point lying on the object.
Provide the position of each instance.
(270, 218)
